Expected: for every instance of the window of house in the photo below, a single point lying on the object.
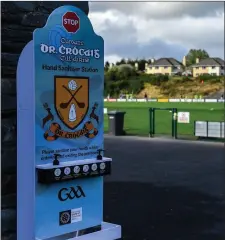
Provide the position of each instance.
(165, 67)
(150, 67)
(222, 67)
(203, 67)
(197, 67)
(156, 67)
(213, 67)
(197, 74)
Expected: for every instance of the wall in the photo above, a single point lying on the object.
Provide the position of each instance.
(19, 19)
(199, 71)
(215, 70)
(221, 71)
(161, 70)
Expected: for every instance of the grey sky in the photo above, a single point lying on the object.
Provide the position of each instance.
(158, 29)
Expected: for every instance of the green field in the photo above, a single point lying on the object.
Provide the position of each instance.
(137, 116)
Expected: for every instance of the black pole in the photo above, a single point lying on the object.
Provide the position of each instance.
(153, 117)
(174, 123)
(151, 122)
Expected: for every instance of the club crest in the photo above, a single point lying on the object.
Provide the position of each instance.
(71, 99)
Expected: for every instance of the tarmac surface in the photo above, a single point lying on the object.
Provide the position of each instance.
(162, 189)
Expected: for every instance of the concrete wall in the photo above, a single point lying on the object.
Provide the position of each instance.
(19, 19)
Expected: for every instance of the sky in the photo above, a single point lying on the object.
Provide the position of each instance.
(158, 29)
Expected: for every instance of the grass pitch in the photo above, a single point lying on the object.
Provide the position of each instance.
(137, 116)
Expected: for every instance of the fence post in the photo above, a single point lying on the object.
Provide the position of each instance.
(151, 122)
(174, 123)
(153, 118)
(194, 127)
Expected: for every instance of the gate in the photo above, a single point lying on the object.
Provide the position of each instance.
(173, 121)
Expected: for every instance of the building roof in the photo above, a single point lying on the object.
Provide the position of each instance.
(210, 62)
(165, 62)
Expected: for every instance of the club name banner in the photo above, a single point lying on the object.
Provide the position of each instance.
(121, 100)
(68, 75)
(221, 100)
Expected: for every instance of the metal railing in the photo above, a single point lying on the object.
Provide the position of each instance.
(209, 129)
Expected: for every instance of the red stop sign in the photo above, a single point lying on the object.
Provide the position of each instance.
(71, 22)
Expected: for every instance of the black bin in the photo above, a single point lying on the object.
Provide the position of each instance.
(116, 122)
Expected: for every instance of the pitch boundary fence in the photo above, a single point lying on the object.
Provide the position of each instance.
(164, 100)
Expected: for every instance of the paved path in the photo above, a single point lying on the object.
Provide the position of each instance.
(165, 189)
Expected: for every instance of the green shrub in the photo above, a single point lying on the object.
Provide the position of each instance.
(157, 80)
(186, 79)
(208, 77)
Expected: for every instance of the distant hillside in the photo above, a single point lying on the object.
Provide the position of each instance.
(177, 87)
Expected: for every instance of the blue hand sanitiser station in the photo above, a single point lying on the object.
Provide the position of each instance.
(60, 162)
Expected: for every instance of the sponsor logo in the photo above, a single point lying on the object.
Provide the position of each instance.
(70, 216)
(64, 217)
(70, 193)
(111, 100)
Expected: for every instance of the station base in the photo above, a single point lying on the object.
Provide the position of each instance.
(109, 231)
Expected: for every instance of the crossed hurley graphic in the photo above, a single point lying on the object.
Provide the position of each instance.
(66, 104)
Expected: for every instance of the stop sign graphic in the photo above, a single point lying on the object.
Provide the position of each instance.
(71, 22)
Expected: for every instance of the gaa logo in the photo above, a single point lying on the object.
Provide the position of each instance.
(70, 193)
(71, 22)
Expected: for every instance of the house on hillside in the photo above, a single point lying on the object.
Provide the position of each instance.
(212, 66)
(165, 66)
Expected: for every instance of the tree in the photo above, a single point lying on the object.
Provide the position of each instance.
(107, 66)
(125, 71)
(111, 74)
(122, 61)
(195, 53)
(141, 64)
